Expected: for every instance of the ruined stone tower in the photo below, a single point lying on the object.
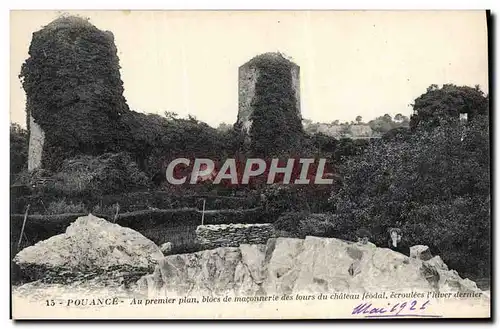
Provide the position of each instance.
(249, 74)
(74, 93)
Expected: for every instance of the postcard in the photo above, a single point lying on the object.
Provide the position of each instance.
(250, 164)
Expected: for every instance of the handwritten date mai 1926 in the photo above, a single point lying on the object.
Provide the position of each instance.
(397, 309)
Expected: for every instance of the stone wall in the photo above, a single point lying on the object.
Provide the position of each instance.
(296, 87)
(35, 148)
(232, 235)
(247, 79)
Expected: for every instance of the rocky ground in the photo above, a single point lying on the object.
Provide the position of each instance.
(97, 258)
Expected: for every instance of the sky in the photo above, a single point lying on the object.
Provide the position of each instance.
(352, 63)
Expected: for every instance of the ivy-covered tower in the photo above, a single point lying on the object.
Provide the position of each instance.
(74, 92)
(269, 103)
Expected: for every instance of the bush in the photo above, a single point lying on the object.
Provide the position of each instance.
(302, 224)
(157, 140)
(320, 225)
(93, 176)
(64, 207)
(18, 149)
(285, 198)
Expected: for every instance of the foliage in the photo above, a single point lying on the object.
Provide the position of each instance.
(435, 182)
(74, 90)
(385, 123)
(18, 149)
(322, 144)
(276, 125)
(94, 176)
(224, 127)
(64, 207)
(157, 140)
(374, 128)
(282, 198)
(108, 210)
(301, 224)
(447, 103)
(347, 147)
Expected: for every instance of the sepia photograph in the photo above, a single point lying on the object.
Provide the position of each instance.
(273, 164)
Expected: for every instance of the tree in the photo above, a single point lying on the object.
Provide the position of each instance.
(170, 115)
(387, 118)
(323, 143)
(146, 131)
(434, 182)
(224, 127)
(347, 147)
(18, 149)
(380, 125)
(446, 104)
(307, 122)
(359, 119)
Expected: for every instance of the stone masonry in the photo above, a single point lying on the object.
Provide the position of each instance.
(35, 148)
(232, 235)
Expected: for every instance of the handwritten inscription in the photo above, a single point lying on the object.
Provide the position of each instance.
(407, 308)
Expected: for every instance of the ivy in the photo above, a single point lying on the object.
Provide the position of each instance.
(74, 90)
(276, 124)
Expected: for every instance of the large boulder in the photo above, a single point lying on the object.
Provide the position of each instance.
(289, 265)
(90, 246)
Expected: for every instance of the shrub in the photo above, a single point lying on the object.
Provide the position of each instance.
(157, 140)
(302, 224)
(64, 207)
(18, 149)
(109, 210)
(285, 198)
(94, 176)
(320, 225)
